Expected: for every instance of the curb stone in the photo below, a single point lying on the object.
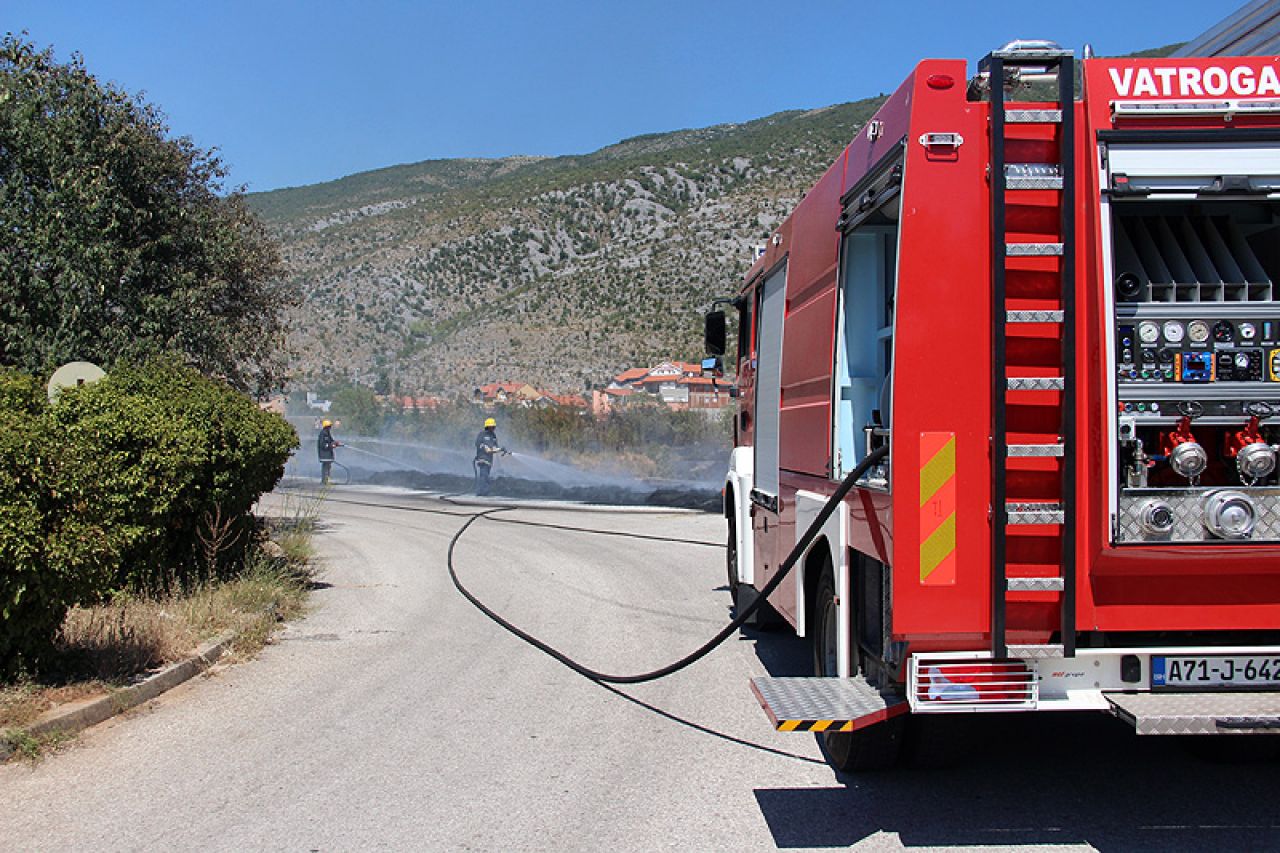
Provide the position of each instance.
(81, 715)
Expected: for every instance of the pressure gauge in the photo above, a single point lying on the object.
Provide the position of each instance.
(1148, 332)
(1242, 361)
(1247, 331)
(1173, 331)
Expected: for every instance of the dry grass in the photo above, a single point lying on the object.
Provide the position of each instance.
(112, 644)
(131, 635)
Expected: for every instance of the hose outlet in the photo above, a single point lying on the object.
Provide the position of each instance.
(1229, 514)
(1189, 459)
(1255, 461)
(1156, 519)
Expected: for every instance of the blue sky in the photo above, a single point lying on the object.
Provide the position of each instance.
(294, 92)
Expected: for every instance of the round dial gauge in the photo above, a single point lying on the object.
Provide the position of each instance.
(1198, 331)
(1148, 332)
(1247, 331)
(1173, 331)
(1242, 360)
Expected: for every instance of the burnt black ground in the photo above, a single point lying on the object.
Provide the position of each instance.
(702, 498)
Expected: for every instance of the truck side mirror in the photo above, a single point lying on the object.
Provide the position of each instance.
(714, 332)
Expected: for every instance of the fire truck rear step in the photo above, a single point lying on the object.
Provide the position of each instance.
(1198, 713)
(824, 704)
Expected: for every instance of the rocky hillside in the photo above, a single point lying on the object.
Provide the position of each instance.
(444, 275)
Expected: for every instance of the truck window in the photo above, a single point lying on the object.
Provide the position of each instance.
(864, 330)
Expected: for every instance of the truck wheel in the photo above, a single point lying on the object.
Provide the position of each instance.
(876, 747)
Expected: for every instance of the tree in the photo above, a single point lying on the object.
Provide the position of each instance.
(117, 241)
(358, 406)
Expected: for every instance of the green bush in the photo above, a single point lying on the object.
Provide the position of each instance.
(54, 549)
(142, 481)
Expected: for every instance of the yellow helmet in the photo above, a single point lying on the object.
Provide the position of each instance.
(490, 422)
(326, 423)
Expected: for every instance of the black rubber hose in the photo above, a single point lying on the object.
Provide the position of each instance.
(801, 546)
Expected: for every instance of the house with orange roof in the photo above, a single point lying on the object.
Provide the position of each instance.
(678, 384)
(507, 393)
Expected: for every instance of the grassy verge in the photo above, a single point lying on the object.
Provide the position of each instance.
(108, 646)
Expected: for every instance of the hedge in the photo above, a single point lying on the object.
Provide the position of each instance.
(143, 481)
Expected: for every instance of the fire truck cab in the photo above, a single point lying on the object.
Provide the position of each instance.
(1050, 290)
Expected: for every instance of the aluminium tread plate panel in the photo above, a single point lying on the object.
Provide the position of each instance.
(798, 704)
(1035, 652)
(1032, 250)
(1020, 182)
(1025, 116)
(1033, 316)
(1199, 713)
(1036, 584)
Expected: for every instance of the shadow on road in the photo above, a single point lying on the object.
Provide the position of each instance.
(1044, 779)
(1051, 778)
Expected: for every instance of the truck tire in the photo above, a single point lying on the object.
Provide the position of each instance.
(876, 747)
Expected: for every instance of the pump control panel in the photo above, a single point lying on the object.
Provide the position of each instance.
(1197, 351)
(1198, 423)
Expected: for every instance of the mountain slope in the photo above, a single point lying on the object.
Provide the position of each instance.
(443, 275)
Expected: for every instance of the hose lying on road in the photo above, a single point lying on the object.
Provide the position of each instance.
(801, 546)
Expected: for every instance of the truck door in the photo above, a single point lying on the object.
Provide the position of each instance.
(768, 401)
(864, 325)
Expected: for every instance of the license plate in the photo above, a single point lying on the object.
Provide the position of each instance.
(1215, 672)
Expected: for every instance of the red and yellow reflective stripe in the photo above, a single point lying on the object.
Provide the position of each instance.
(842, 725)
(937, 508)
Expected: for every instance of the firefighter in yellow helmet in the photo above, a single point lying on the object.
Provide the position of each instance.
(487, 448)
(324, 447)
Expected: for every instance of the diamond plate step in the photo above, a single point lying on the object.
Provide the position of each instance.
(1016, 450)
(1019, 116)
(824, 704)
(1032, 176)
(1034, 652)
(1198, 713)
(1034, 513)
(1022, 183)
(1036, 584)
(1032, 250)
(1036, 383)
(1033, 316)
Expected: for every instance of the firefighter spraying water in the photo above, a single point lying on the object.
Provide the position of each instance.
(487, 448)
(325, 443)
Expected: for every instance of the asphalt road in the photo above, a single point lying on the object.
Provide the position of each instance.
(397, 716)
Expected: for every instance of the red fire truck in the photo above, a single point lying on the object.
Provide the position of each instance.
(1049, 292)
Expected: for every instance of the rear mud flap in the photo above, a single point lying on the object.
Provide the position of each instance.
(1198, 713)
